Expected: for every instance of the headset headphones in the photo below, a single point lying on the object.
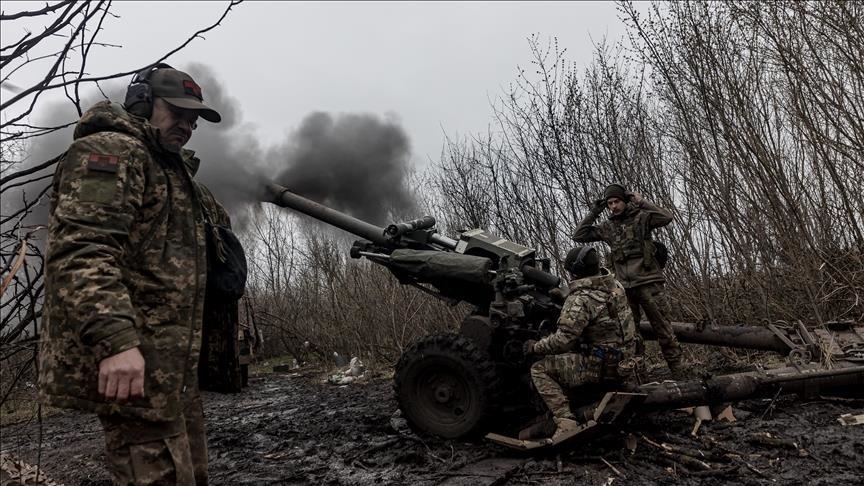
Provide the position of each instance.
(577, 266)
(139, 94)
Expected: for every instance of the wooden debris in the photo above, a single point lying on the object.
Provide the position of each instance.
(766, 439)
(630, 442)
(702, 413)
(726, 415)
(18, 472)
(849, 419)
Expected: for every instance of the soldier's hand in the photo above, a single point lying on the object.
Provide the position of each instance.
(528, 347)
(635, 197)
(122, 376)
(598, 206)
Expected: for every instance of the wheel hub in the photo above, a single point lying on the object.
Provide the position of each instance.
(443, 393)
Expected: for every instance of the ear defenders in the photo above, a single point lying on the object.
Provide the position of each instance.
(139, 94)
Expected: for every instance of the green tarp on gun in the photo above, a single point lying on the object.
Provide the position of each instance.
(434, 265)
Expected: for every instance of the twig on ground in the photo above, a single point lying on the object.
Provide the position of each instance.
(750, 467)
(733, 469)
(688, 461)
(614, 469)
(770, 407)
(766, 439)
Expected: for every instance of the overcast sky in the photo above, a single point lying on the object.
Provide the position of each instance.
(435, 66)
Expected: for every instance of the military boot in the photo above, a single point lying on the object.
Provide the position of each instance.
(542, 429)
(565, 427)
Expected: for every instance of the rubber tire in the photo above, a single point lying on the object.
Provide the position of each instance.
(446, 386)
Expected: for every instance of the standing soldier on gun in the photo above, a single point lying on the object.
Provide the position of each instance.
(628, 234)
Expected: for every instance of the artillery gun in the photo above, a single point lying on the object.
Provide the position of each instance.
(454, 385)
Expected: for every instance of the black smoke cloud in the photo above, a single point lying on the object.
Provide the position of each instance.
(355, 163)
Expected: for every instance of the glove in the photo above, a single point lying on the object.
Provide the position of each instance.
(598, 207)
(528, 347)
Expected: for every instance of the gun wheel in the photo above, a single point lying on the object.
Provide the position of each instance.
(445, 386)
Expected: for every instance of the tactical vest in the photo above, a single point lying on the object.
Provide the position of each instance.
(632, 239)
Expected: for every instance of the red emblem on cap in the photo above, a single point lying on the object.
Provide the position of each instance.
(191, 88)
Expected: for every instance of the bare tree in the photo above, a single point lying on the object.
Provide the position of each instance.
(743, 118)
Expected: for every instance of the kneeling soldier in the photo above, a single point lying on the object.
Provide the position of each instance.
(595, 333)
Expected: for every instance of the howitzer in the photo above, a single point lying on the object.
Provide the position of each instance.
(452, 385)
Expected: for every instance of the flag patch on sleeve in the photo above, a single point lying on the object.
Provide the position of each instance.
(103, 162)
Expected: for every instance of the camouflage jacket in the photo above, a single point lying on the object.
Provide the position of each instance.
(217, 213)
(125, 267)
(628, 236)
(596, 312)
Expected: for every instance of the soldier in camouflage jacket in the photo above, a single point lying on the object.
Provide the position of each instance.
(628, 234)
(125, 280)
(595, 335)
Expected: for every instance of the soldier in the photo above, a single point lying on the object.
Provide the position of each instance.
(595, 335)
(125, 280)
(628, 234)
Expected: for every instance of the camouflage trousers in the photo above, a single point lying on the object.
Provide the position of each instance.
(552, 374)
(650, 298)
(140, 452)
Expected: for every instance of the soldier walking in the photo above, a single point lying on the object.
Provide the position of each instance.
(628, 234)
(595, 335)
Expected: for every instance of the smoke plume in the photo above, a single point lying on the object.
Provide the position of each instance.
(355, 163)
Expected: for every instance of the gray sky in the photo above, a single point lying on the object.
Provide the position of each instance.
(434, 66)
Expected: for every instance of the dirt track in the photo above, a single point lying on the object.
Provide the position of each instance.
(295, 429)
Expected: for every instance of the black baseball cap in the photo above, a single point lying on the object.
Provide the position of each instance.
(179, 89)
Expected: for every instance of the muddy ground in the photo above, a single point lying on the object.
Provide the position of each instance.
(293, 428)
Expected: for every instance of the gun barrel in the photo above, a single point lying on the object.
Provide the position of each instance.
(287, 199)
(539, 277)
(747, 337)
(741, 386)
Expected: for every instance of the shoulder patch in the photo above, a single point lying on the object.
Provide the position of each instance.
(103, 162)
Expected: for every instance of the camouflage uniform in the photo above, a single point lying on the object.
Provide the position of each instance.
(125, 268)
(595, 320)
(632, 252)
